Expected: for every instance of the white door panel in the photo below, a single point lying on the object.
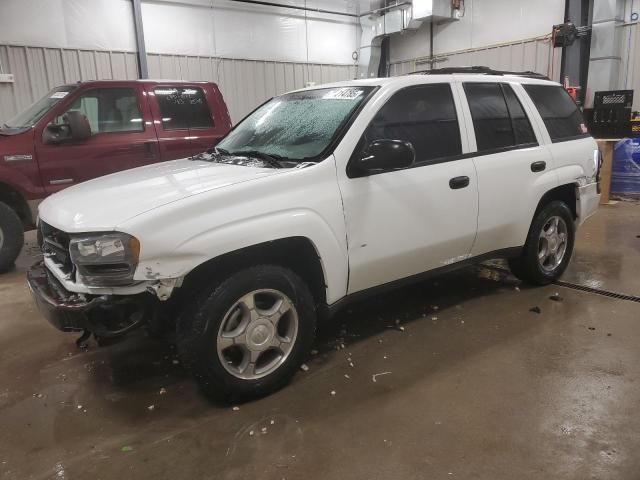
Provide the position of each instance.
(509, 194)
(406, 222)
(509, 143)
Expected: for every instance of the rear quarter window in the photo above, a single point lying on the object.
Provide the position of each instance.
(560, 114)
(183, 108)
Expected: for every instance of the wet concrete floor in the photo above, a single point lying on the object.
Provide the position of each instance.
(480, 388)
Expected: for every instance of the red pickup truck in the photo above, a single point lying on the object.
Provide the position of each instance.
(85, 130)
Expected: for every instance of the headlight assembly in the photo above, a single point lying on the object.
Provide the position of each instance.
(105, 259)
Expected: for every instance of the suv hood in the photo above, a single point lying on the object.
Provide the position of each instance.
(104, 203)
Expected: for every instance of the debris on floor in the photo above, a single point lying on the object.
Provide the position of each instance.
(236, 408)
(535, 310)
(592, 328)
(163, 391)
(151, 408)
(126, 448)
(304, 367)
(376, 375)
(333, 393)
(556, 297)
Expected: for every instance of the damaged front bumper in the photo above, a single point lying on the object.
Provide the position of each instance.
(64, 310)
(104, 315)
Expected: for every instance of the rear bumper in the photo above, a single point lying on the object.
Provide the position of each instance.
(64, 310)
(588, 201)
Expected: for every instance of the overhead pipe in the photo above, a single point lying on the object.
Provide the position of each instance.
(296, 7)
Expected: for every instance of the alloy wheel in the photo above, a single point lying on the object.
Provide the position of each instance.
(257, 334)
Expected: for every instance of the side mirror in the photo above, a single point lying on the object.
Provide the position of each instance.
(75, 127)
(386, 155)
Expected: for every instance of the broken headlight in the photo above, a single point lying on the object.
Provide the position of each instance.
(105, 259)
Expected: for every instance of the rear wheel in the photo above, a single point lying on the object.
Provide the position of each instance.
(11, 237)
(549, 246)
(248, 335)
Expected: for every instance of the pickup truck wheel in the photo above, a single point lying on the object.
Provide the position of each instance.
(247, 336)
(11, 237)
(549, 246)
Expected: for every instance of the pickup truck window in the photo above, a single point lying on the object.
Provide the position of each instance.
(35, 112)
(425, 116)
(298, 125)
(498, 118)
(109, 110)
(183, 108)
(559, 112)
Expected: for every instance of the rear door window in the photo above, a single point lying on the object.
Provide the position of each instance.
(183, 108)
(522, 130)
(424, 115)
(560, 114)
(499, 120)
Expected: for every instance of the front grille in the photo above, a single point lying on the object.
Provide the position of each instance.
(55, 245)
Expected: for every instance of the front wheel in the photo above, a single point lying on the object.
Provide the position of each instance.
(248, 335)
(549, 246)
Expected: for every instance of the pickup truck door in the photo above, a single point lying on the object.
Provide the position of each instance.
(184, 119)
(514, 166)
(122, 137)
(404, 222)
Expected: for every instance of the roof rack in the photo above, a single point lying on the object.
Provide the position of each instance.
(479, 70)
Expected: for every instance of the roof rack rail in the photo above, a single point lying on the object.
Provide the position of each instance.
(480, 70)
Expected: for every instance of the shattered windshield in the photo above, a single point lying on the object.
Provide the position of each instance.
(35, 112)
(297, 126)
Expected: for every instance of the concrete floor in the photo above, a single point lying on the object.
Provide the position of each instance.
(480, 388)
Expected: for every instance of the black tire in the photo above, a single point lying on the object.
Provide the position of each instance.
(11, 235)
(198, 327)
(527, 267)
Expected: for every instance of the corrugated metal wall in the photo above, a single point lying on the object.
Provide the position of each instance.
(532, 54)
(244, 83)
(630, 68)
(37, 70)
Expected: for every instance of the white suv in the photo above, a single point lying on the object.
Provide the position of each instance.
(317, 198)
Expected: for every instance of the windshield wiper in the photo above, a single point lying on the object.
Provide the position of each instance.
(271, 159)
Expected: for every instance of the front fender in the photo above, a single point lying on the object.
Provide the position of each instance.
(180, 236)
(234, 236)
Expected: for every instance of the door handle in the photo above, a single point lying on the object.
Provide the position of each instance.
(458, 182)
(538, 166)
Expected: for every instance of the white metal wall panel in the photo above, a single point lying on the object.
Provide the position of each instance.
(630, 68)
(244, 83)
(36, 70)
(533, 54)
